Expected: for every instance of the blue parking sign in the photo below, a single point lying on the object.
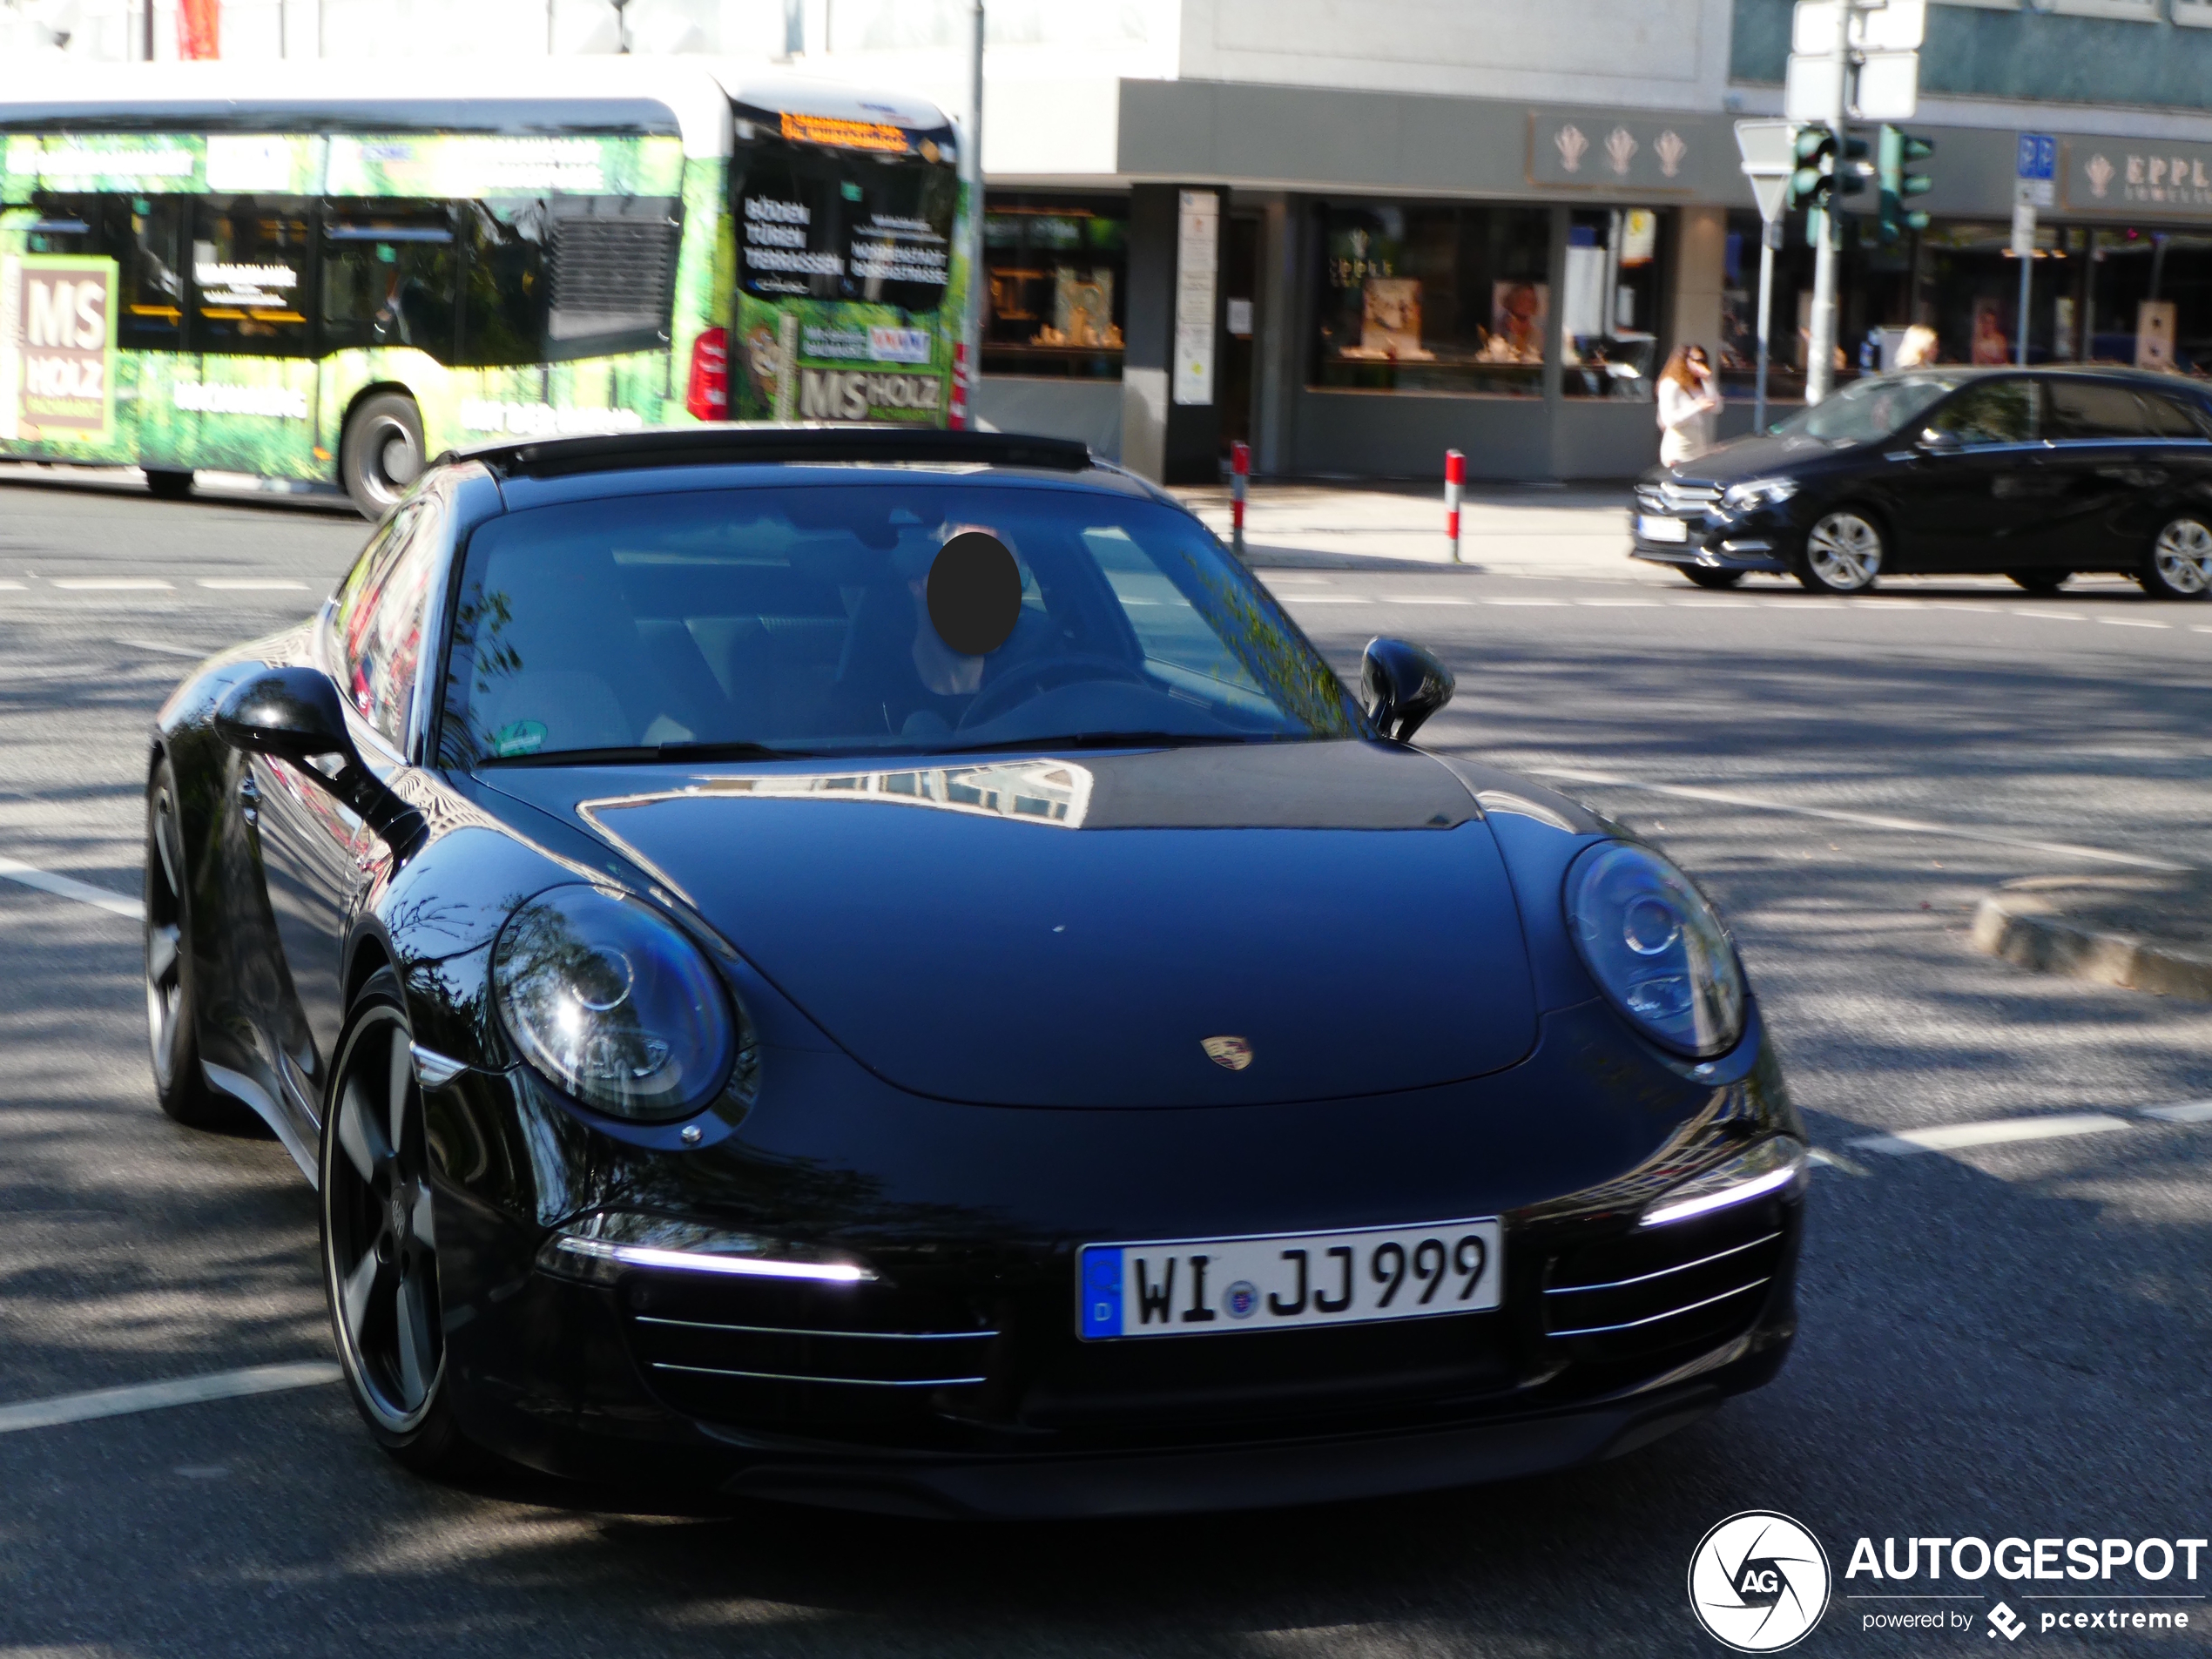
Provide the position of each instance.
(2038, 156)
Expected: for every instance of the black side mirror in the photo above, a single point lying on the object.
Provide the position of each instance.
(287, 713)
(1401, 685)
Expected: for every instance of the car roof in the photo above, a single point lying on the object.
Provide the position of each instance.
(2160, 379)
(538, 471)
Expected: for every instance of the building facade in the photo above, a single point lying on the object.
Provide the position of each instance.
(1355, 236)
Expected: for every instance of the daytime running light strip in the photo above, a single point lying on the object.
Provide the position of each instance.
(1756, 1187)
(697, 1262)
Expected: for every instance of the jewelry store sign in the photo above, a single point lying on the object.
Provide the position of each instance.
(2139, 179)
(1595, 149)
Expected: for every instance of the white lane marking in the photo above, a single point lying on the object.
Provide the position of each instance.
(1424, 599)
(2189, 1111)
(1324, 598)
(147, 1397)
(16, 587)
(1835, 1161)
(113, 584)
(63, 887)
(2052, 616)
(161, 650)
(1996, 1132)
(2129, 622)
(1952, 604)
(1619, 605)
(2197, 628)
(1524, 602)
(1717, 605)
(1872, 821)
(247, 584)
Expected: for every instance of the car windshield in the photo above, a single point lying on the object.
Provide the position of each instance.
(1867, 411)
(796, 619)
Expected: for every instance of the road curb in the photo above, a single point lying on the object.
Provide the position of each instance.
(2031, 932)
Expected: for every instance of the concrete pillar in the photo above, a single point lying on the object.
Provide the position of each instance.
(1700, 273)
(1278, 353)
(1162, 440)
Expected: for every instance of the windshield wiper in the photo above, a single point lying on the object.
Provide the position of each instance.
(1105, 740)
(647, 754)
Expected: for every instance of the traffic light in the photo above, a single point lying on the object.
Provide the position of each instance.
(1827, 168)
(1899, 150)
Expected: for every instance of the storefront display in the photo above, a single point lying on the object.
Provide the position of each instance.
(1056, 268)
(1433, 298)
(1611, 319)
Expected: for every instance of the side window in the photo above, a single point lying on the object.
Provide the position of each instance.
(1990, 412)
(153, 275)
(390, 275)
(2095, 409)
(2168, 419)
(379, 622)
(251, 268)
(503, 304)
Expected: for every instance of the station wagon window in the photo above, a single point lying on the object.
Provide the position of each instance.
(2169, 419)
(1990, 412)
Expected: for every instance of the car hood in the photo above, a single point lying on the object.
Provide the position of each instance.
(1761, 456)
(1189, 926)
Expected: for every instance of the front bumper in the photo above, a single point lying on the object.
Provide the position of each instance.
(1712, 537)
(955, 1383)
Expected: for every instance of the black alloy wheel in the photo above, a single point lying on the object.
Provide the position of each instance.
(1844, 553)
(2040, 581)
(171, 1029)
(380, 456)
(1707, 577)
(2179, 565)
(169, 484)
(380, 1252)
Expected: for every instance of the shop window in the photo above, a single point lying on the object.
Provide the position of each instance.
(252, 270)
(1055, 269)
(390, 275)
(1434, 298)
(2145, 299)
(1609, 303)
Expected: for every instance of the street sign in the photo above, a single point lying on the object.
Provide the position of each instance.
(1900, 26)
(2024, 230)
(1813, 94)
(1817, 28)
(2038, 158)
(1769, 156)
(2035, 193)
(1887, 86)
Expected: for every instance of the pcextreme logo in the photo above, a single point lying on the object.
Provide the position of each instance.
(1758, 1581)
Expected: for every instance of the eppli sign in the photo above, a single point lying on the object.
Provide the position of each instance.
(57, 323)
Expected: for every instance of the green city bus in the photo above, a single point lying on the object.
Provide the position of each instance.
(308, 271)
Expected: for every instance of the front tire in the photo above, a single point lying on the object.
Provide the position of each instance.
(381, 455)
(379, 1254)
(172, 1028)
(1844, 554)
(1705, 577)
(2179, 565)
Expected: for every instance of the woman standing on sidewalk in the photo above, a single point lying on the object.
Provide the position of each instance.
(1688, 398)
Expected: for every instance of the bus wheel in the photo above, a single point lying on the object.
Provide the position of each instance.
(382, 452)
(169, 486)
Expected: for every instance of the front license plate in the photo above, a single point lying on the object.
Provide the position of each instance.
(1200, 1286)
(1654, 528)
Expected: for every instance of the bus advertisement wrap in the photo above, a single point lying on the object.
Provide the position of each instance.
(60, 319)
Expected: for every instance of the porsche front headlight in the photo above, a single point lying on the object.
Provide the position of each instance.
(611, 1005)
(1656, 948)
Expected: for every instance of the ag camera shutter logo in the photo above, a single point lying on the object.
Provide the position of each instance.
(1758, 1581)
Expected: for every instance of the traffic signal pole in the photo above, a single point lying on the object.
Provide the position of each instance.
(1770, 237)
(1820, 369)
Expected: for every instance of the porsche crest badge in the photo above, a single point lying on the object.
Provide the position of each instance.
(1234, 1053)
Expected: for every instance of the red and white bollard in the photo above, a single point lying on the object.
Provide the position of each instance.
(956, 413)
(1240, 478)
(1455, 478)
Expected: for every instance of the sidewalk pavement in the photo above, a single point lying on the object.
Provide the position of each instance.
(2144, 933)
(1511, 529)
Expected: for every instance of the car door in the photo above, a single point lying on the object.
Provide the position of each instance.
(2106, 460)
(2175, 462)
(316, 852)
(1965, 491)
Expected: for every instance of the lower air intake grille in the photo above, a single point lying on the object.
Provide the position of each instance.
(1684, 1284)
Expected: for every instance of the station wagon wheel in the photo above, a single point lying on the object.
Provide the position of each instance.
(378, 1236)
(1842, 555)
(381, 455)
(172, 1023)
(2180, 565)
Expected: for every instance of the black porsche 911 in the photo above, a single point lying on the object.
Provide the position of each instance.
(880, 970)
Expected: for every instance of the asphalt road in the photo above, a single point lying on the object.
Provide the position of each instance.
(2006, 1338)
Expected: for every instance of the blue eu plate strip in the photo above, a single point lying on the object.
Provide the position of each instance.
(1101, 1280)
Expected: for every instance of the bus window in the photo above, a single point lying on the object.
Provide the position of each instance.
(836, 225)
(250, 262)
(614, 271)
(390, 275)
(152, 317)
(502, 300)
(67, 225)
